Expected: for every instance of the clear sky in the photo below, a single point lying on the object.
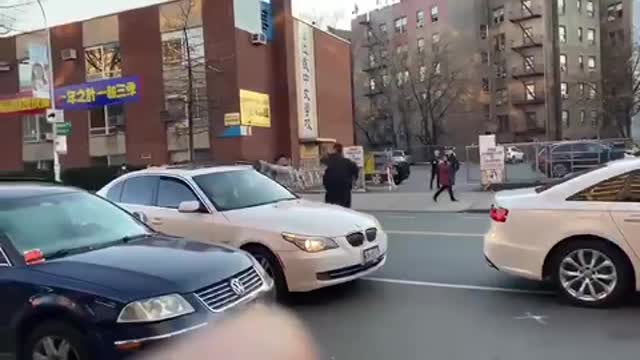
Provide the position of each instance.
(63, 11)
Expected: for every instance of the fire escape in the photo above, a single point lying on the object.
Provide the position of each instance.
(530, 68)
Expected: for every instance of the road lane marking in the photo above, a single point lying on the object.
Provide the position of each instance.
(431, 233)
(403, 217)
(458, 286)
(540, 319)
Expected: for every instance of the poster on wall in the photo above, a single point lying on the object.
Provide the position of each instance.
(39, 72)
(306, 81)
(255, 109)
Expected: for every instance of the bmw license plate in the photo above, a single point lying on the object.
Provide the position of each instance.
(371, 255)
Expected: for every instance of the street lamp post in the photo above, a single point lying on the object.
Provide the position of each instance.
(52, 100)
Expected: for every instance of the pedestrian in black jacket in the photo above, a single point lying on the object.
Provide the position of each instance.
(339, 177)
(434, 169)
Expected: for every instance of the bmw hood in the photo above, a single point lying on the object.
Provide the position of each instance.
(150, 267)
(302, 217)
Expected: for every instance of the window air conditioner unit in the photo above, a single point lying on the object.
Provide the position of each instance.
(69, 54)
(4, 66)
(259, 39)
(48, 136)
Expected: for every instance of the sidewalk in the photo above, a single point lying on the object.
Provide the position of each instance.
(471, 201)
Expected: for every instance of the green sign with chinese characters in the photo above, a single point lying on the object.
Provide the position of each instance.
(63, 129)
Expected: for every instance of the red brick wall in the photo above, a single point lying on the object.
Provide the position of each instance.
(68, 73)
(256, 73)
(10, 126)
(141, 50)
(333, 83)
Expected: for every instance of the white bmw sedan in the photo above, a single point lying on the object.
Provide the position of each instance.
(581, 232)
(303, 245)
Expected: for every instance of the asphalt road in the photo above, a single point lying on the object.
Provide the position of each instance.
(437, 299)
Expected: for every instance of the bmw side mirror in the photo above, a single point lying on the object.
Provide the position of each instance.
(141, 216)
(189, 207)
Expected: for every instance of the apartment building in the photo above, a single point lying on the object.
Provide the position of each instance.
(534, 66)
(263, 84)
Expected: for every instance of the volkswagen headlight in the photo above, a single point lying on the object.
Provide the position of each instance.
(311, 244)
(155, 309)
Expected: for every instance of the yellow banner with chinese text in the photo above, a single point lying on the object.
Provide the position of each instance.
(23, 104)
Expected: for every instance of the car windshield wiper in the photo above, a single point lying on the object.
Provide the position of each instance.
(81, 249)
(130, 238)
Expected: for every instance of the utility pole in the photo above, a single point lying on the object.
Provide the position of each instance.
(52, 100)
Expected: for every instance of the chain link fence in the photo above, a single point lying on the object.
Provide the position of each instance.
(531, 163)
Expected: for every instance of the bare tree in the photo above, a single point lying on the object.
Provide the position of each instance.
(11, 12)
(322, 19)
(185, 69)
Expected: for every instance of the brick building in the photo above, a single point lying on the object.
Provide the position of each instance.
(235, 47)
(534, 68)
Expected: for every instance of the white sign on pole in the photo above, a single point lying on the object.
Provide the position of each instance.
(61, 145)
(55, 116)
(306, 80)
(355, 154)
(492, 165)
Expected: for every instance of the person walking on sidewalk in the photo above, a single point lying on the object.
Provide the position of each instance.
(447, 177)
(434, 170)
(339, 177)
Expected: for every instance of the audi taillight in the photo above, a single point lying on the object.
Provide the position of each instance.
(499, 214)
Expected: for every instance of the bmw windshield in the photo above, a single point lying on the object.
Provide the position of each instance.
(61, 223)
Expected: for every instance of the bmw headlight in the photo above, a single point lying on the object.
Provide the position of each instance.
(311, 244)
(155, 309)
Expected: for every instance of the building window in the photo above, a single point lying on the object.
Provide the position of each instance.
(526, 6)
(383, 30)
(563, 62)
(35, 128)
(503, 123)
(399, 79)
(580, 34)
(402, 51)
(590, 8)
(593, 90)
(591, 63)
(500, 41)
(530, 91)
(174, 49)
(420, 19)
(484, 57)
(421, 46)
(562, 7)
(401, 25)
(591, 36)
(527, 34)
(104, 120)
(581, 62)
(583, 117)
(384, 54)
(434, 14)
(372, 60)
(615, 11)
(423, 73)
(562, 34)
(565, 118)
(102, 62)
(435, 38)
(581, 89)
(529, 63)
(485, 85)
(501, 97)
(564, 90)
(594, 118)
(498, 15)
(531, 119)
(372, 85)
(386, 79)
(484, 32)
(501, 70)
(579, 4)
(437, 69)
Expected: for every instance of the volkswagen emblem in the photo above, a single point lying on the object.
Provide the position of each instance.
(237, 287)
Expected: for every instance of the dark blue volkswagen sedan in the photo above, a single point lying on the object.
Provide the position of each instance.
(81, 278)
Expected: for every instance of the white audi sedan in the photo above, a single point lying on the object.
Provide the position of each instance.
(581, 232)
(303, 245)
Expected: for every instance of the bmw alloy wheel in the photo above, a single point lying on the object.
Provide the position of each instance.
(588, 275)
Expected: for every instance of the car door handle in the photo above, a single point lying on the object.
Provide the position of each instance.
(633, 218)
(156, 221)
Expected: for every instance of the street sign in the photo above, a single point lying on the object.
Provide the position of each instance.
(63, 129)
(355, 154)
(55, 116)
(61, 145)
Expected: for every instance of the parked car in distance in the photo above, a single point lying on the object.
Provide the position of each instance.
(581, 232)
(303, 245)
(513, 155)
(82, 279)
(400, 156)
(561, 159)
